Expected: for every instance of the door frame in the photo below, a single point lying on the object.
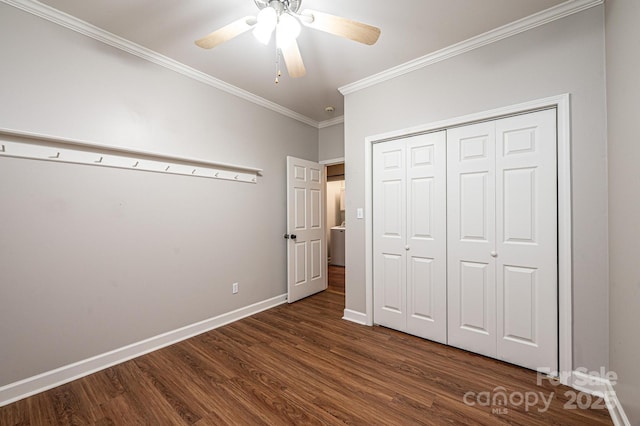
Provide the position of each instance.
(562, 105)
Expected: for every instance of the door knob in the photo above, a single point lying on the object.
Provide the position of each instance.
(294, 236)
(494, 254)
(290, 236)
(407, 248)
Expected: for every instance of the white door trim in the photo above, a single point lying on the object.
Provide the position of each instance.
(562, 104)
(332, 161)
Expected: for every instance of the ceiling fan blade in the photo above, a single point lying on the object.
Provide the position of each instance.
(293, 60)
(227, 32)
(343, 27)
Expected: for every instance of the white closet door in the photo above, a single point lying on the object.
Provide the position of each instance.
(526, 199)
(409, 204)
(389, 229)
(471, 238)
(426, 236)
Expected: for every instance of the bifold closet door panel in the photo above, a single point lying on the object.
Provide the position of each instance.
(471, 241)
(502, 239)
(409, 227)
(389, 234)
(426, 236)
(526, 246)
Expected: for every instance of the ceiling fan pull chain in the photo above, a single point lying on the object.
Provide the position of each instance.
(278, 72)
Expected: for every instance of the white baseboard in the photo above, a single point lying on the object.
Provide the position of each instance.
(588, 383)
(618, 416)
(355, 316)
(50, 379)
(602, 387)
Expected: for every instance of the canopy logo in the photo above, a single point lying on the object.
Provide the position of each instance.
(501, 400)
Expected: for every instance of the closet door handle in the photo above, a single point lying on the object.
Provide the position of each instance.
(407, 248)
(494, 254)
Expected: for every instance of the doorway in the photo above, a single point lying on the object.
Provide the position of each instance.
(335, 226)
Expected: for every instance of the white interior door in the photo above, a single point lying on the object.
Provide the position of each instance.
(526, 244)
(409, 237)
(471, 238)
(306, 257)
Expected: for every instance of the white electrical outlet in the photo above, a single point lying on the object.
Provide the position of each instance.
(234, 288)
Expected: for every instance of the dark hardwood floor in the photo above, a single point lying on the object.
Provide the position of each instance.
(336, 279)
(303, 364)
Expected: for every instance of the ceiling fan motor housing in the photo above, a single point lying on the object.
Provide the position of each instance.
(280, 5)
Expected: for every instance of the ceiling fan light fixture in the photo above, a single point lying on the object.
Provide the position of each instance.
(306, 17)
(287, 31)
(267, 21)
(282, 17)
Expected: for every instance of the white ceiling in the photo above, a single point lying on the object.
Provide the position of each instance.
(410, 29)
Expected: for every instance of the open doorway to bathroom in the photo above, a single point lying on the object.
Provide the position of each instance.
(336, 227)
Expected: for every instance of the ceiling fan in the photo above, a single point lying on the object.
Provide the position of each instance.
(282, 17)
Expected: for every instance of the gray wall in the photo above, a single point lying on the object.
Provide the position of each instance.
(92, 259)
(331, 142)
(623, 102)
(565, 56)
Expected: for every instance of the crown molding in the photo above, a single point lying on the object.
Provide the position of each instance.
(544, 17)
(63, 19)
(331, 122)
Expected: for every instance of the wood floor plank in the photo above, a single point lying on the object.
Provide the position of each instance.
(251, 335)
(301, 364)
(119, 411)
(339, 383)
(316, 383)
(184, 397)
(20, 414)
(145, 400)
(336, 279)
(393, 388)
(202, 363)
